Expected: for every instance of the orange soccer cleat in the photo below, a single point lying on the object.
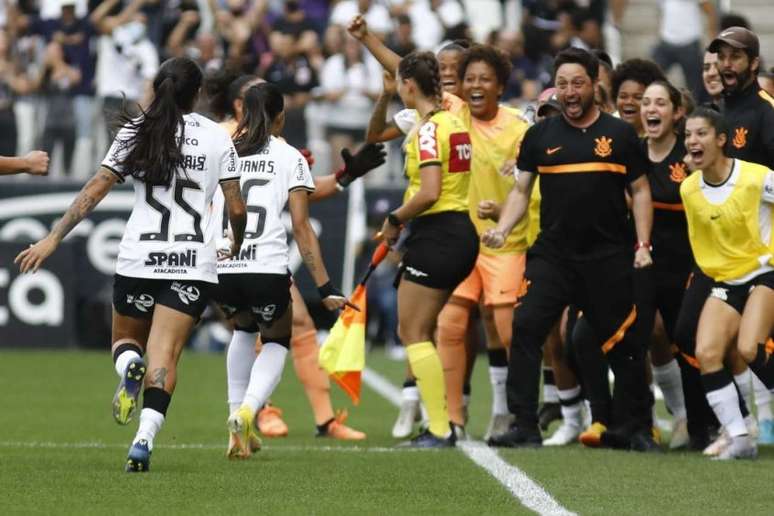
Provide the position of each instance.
(270, 422)
(336, 429)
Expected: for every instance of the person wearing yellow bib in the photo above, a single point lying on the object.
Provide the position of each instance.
(442, 245)
(728, 206)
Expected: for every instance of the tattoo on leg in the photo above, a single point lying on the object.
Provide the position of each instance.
(159, 377)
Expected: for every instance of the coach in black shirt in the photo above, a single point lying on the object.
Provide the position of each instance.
(583, 254)
(748, 109)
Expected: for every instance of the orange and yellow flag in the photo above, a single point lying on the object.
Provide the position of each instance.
(342, 355)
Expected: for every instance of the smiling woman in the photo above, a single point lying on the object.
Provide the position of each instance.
(630, 79)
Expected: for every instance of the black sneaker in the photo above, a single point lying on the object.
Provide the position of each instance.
(548, 413)
(644, 442)
(517, 438)
(427, 439)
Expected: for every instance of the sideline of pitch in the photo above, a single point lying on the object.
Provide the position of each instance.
(529, 493)
(203, 446)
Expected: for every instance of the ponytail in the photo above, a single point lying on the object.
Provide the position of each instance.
(263, 103)
(156, 147)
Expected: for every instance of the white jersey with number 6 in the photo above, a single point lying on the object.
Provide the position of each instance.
(169, 234)
(267, 178)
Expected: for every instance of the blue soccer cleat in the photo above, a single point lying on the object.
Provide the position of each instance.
(766, 429)
(139, 457)
(125, 398)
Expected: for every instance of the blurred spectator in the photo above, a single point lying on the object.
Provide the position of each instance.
(680, 38)
(58, 82)
(586, 30)
(350, 81)
(187, 39)
(305, 38)
(126, 61)
(377, 16)
(527, 77)
(733, 20)
(400, 41)
(766, 81)
(427, 29)
(13, 81)
(243, 27)
(296, 77)
(74, 34)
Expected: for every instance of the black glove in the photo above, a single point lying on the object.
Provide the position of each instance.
(370, 156)
(328, 290)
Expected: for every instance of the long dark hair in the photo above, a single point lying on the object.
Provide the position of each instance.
(262, 105)
(156, 148)
(423, 68)
(223, 88)
(715, 120)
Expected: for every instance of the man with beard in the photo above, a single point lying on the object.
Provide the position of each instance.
(583, 255)
(748, 109)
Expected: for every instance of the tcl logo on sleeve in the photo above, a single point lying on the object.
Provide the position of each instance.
(428, 145)
(461, 152)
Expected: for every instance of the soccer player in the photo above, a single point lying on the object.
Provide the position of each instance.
(166, 265)
(34, 163)
(583, 254)
(728, 204)
(629, 81)
(662, 114)
(254, 289)
(226, 100)
(442, 246)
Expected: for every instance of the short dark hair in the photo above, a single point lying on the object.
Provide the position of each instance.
(642, 71)
(604, 58)
(490, 55)
(579, 56)
(734, 20)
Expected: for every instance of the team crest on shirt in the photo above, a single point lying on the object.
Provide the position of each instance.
(740, 137)
(604, 146)
(677, 172)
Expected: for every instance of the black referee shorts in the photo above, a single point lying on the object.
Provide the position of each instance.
(441, 250)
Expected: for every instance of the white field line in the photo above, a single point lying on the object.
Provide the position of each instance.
(200, 446)
(529, 493)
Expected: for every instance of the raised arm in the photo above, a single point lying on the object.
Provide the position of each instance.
(386, 57)
(177, 38)
(379, 129)
(90, 195)
(105, 24)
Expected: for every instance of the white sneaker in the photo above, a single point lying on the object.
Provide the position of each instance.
(408, 415)
(741, 447)
(566, 433)
(498, 425)
(718, 445)
(680, 437)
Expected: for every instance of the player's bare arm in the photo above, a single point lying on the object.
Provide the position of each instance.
(513, 210)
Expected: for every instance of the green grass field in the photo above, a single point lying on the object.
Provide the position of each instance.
(61, 452)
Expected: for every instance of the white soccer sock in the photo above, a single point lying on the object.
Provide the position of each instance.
(550, 392)
(150, 424)
(122, 361)
(725, 404)
(410, 393)
(239, 362)
(762, 399)
(668, 379)
(744, 382)
(265, 375)
(571, 413)
(497, 377)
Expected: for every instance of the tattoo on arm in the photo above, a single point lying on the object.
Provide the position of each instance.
(159, 377)
(309, 260)
(91, 194)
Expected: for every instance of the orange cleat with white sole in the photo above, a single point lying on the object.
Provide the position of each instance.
(336, 429)
(270, 422)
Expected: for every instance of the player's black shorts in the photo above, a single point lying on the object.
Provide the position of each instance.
(137, 297)
(736, 295)
(266, 296)
(441, 250)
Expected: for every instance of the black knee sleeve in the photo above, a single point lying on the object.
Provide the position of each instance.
(282, 341)
(126, 346)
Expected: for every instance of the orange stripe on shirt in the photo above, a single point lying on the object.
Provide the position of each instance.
(668, 206)
(591, 166)
(620, 332)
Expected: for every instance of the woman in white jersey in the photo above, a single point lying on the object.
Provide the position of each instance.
(254, 290)
(166, 261)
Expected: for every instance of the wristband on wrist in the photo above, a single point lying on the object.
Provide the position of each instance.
(328, 290)
(640, 245)
(393, 220)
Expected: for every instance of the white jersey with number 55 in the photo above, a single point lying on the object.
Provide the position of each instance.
(267, 178)
(170, 234)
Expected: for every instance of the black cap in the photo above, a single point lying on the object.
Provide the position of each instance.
(737, 37)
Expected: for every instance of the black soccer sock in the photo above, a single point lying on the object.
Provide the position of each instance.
(498, 357)
(156, 399)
